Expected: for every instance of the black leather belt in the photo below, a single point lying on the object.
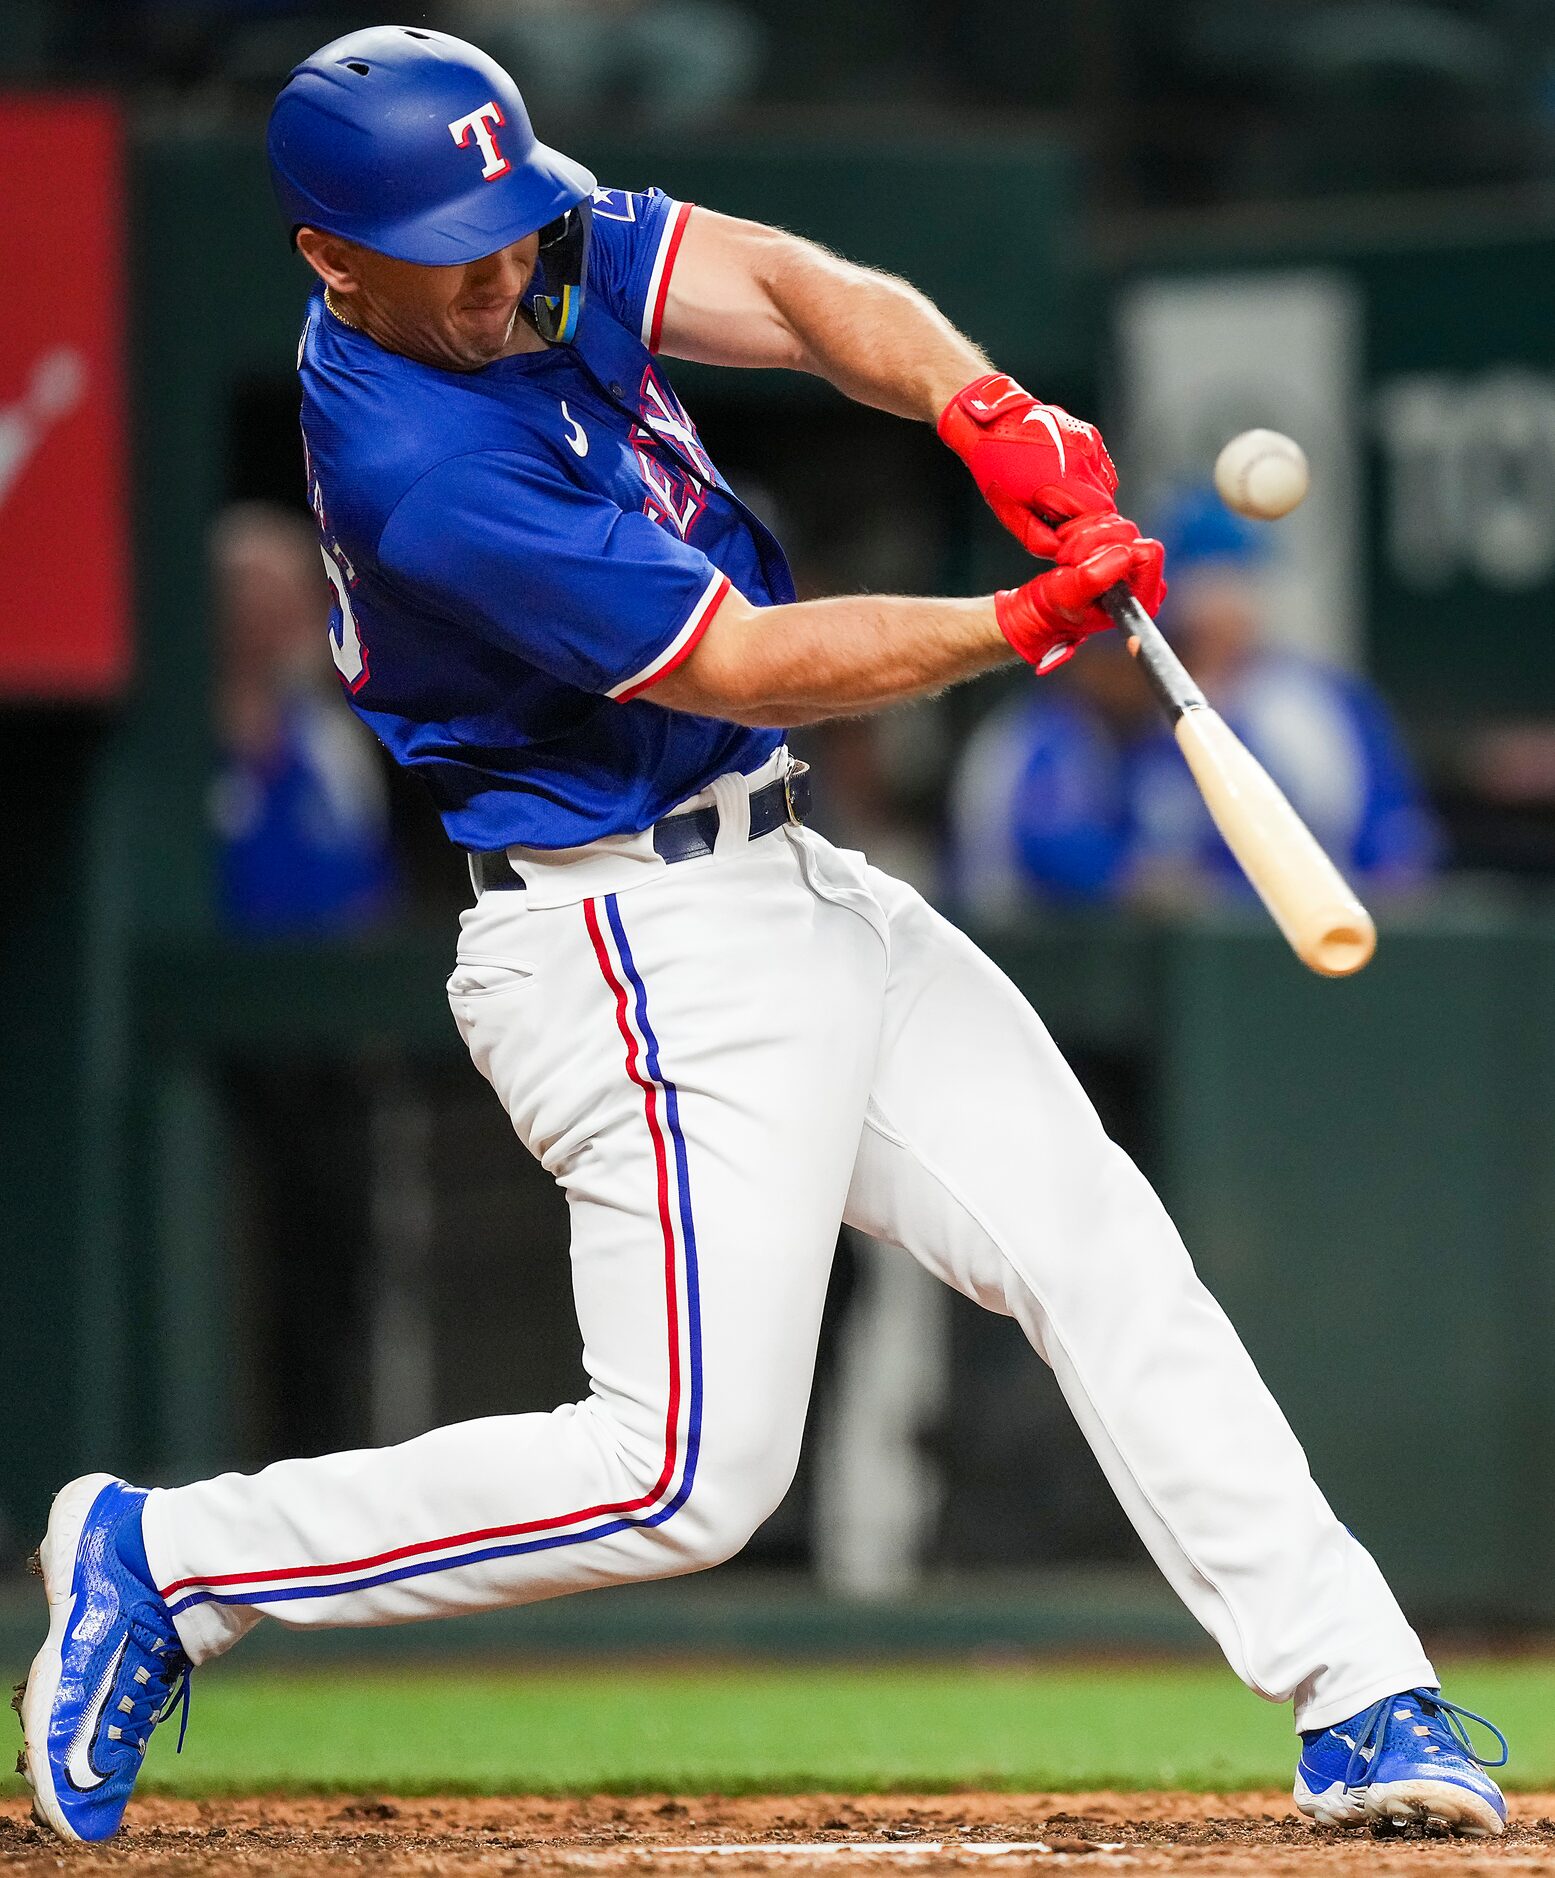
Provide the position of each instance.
(681, 837)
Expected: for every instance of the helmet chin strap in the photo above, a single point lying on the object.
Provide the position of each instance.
(564, 246)
(556, 315)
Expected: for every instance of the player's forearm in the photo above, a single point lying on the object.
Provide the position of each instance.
(817, 659)
(876, 338)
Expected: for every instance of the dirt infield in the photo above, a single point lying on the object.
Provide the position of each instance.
(1219, 1835)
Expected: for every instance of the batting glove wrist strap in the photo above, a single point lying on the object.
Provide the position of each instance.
(1033, 462)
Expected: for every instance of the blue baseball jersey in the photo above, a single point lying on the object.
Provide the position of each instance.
(519, 553)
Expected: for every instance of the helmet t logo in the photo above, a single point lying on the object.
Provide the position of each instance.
(483, 123)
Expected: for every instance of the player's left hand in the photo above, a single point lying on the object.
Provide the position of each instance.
(1034, 463)
(1047, 619)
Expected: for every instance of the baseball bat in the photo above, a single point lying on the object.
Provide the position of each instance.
(1326, 926)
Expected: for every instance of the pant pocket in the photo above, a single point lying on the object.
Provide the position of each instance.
(484, 978)
(836, 876)
(483, 997)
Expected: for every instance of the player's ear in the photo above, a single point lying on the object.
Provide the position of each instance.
(329, 257)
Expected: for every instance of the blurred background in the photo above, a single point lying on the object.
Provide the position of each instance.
(257, 1202)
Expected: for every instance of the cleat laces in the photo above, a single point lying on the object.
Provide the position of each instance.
(163, 1683)
(1451, 1717)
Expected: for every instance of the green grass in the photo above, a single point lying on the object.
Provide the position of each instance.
(748, 1729)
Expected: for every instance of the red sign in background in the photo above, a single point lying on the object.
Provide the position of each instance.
(64, 561)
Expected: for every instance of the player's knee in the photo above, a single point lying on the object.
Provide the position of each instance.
(725, 1508)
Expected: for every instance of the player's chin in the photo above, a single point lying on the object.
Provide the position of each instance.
(485, 331)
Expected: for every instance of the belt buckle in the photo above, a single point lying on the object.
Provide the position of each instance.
(796, 792)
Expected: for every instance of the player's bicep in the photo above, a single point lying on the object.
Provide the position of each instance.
(723, 293)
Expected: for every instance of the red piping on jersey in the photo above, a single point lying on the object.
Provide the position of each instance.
(685, 651)
(676, 233)
(616, 983)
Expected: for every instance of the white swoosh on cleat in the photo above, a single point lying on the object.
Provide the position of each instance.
(78, 1762)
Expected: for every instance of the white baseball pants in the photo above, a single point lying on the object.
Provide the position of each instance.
(718, 1061)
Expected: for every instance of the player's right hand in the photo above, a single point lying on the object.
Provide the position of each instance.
(1034, 463)
(1047, 619)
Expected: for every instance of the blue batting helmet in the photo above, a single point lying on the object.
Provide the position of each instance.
(417, 145)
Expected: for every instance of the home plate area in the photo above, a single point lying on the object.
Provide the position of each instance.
(1219, 1834)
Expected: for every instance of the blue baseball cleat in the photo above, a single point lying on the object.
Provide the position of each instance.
(110, 1668)
(1404, 1761)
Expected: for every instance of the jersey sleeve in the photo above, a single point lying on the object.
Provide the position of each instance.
(594, 596)
(635, 240)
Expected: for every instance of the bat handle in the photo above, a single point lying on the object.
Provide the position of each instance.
(1168, 677)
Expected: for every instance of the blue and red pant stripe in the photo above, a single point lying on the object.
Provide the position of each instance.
(661, 1104)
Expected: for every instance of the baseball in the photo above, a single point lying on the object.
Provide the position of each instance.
(1262, 473)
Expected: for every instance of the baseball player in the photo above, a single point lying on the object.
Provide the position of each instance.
(720, 1035)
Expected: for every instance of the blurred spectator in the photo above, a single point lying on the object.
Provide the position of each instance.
(1498, 798)
(299, 804)
(1076, 793)
(667, 63)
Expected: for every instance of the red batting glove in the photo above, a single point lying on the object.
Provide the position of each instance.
(1046, 620)
(1034, 463)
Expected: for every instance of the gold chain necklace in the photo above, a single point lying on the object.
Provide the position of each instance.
(329, 301)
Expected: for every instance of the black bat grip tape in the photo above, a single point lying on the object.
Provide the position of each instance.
(1168, 677)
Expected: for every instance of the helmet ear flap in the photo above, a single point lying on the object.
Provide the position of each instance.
(561, 276)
